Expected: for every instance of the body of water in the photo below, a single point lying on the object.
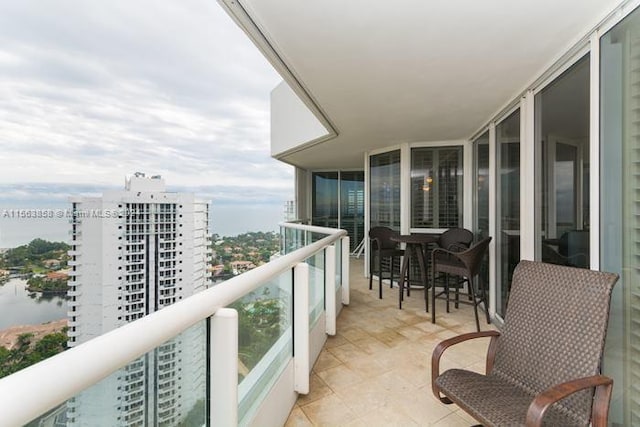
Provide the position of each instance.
(19, 307)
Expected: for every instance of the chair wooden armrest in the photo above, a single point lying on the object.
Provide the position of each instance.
(600, 411)
(442, 346)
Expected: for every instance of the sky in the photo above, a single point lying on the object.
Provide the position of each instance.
(91, 92)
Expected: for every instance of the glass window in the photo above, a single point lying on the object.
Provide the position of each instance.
(562, 135)
(436, 187)
(385, 190)
(338, 202)
(619, 207)
(481, 198)
(352, 206)
(508, 206)
(325, 199)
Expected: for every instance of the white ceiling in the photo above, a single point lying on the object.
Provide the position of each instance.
(383, 73)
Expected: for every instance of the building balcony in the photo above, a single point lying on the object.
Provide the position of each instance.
(74, 292)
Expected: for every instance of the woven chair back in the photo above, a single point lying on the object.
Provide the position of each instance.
(555, 328)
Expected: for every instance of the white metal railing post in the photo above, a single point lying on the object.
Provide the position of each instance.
(345, 270)
(330, 289)
(224, 368)
(301, 365)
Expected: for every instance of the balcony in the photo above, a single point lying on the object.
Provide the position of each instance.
(372, 367)
(265, 310)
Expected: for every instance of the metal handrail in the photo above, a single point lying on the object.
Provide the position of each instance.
(39, 388)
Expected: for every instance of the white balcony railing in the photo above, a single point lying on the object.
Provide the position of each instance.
(317, 271)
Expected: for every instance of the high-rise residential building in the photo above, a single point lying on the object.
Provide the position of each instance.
(289, 210)
(134, 252)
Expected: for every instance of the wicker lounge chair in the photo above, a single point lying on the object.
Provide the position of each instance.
(543, 368)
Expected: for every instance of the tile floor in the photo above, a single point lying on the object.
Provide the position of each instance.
(376, 370)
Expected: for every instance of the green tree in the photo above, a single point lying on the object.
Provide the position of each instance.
(29, 351)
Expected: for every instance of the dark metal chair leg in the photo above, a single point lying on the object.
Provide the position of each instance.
(380, 277)
(475, 302)
(393, 265)
(371, 270)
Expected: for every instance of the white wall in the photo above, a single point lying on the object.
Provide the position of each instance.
(292, 124)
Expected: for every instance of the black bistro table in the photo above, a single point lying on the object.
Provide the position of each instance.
(415, 249)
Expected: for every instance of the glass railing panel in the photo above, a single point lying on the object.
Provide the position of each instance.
(292, 239)
(313, 237)
(265, 341)
(164, 387)
(316, 286)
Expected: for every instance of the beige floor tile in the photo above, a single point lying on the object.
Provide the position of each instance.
(335, 341)
(383, 417)
(367, 365)
(453, 420)
(366, 397)
(354, 333)
(371, 345)
(317, 390)
(420, 406)
(326, 360)
(468, 418)
(389, 336)
(340, 377)
(329, 411)
(412, 333)
(377, 370)
(346, 351)
(297, 418)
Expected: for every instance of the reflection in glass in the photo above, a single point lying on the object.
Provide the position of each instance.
(352, 206)
(325, 199)
(436, 187)
(265, 342)
(508, 206)
(481, 199)
(165, 387)
(316, 287)
(619, 208)
(385, 190)
(338, 202)
(562, 133)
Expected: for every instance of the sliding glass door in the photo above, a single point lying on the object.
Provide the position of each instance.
(436, 187)
(481, 198)
(352, 206)
(562, 141)
(507, 206)
(619, 209)
(324, 203)
(384, 190)
(338, 202)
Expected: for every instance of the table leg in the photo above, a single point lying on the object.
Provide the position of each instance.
(433, 295)
(403, 273)
(423, 269)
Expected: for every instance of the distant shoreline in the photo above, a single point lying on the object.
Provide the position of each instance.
(9, 336)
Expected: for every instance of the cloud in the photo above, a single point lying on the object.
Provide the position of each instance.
(93, 91)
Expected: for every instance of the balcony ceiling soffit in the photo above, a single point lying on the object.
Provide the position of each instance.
(413, 70)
